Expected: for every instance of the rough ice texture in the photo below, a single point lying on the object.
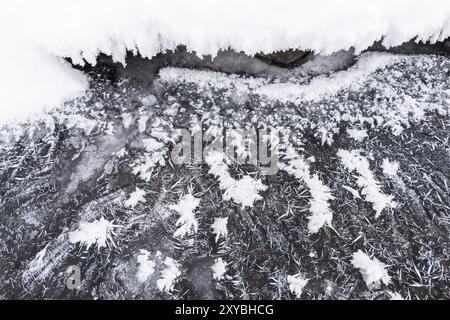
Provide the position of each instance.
(36, 34)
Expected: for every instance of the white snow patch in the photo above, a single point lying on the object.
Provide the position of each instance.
(296, 284)
(373, 271)
(33, 81)
(135, 197)
(390, 168)
(38, 261)
(168, 275)
(219, 269)
(219, 227)
(146, 267)
(211, 80)
(244, 191)
(98, 232)
(371, 190)
(187, 222)
(357, 134)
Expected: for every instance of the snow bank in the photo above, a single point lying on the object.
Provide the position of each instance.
(35, 34)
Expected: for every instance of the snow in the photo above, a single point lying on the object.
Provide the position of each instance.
(36, 35)
(373, 271)
(371, 190)
(98, 232)
(135, 197)
(219, 227)
(168, 275)
(390, 168)
(146, 267)
(34, 81)
(186, 223)
(296, 284)
(219, 269)
(243, 191)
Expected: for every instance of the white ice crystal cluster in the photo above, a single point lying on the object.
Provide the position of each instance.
(296, 284)
(185, 208)
(219, 269)
(365, 179)
(373, 271)
(244, 191)
(98, 232)
(219, 227)
(168, 275)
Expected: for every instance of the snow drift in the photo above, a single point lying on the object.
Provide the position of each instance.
(37, 34)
